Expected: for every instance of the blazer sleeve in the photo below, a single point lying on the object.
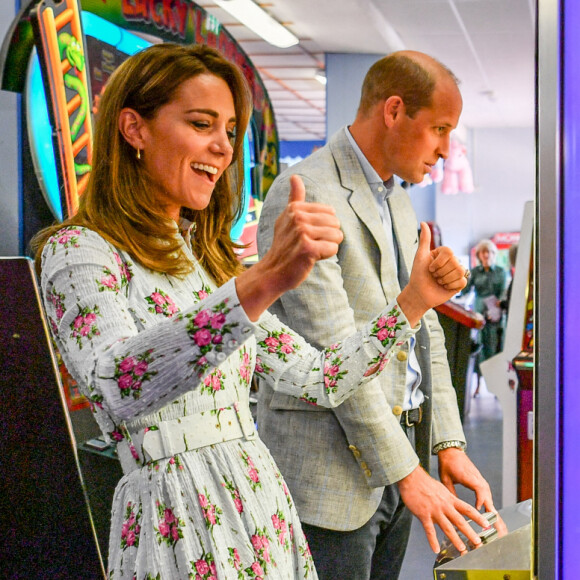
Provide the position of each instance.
(446, 421)
(319, 310)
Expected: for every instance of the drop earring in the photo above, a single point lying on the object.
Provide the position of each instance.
(139, 154)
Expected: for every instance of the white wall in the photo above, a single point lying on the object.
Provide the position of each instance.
(503, 165)
(9, 174)
(344, 74)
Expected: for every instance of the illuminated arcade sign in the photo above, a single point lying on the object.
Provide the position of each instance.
(110, 22)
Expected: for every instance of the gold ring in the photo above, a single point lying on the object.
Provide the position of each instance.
(467, 273)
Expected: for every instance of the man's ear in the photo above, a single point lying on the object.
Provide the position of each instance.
(132, 125)
(393, 109)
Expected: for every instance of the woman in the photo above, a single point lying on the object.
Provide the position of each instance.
(162, 328)
(488, 282)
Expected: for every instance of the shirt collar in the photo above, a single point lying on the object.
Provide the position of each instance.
(381, 189)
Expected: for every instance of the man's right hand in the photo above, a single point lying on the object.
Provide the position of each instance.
(433, 504)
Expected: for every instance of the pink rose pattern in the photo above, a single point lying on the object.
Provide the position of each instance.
(281, 529)
(235, 562)
(131, 371)
(304, 551)
(168, 526)
(174, 463)
(131, 527)
(285, 489)
(261, 368)
(332, 372)
(280, 343)
(261, 544)
(125, 270)
(213, 383)
(84, 326)
(207, 328)
(57, 300)
(245, 368)
(108, 281)
(234, 492)
(199, 295)
(161, 303)
(204, 568)
(67, 237)
(385, 329)
(211, 512)
(252, 474)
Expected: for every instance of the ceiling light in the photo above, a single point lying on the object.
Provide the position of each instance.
(320, 76)
(252, 16)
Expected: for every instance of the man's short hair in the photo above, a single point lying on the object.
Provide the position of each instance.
(401, 75)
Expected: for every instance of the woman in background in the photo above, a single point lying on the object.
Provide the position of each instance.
(488, 282)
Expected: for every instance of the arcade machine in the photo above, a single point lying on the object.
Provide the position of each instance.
(59, 55)
(508, 375)
(523, 364)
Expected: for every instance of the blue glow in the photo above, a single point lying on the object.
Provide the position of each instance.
(40, 131)
(236, 231)
(570, 308)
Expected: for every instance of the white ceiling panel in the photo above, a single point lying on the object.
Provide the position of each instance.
(489, 44)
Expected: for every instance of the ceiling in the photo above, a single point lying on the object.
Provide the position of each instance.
(489, 45)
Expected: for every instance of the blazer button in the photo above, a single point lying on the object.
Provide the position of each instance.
(354, 450)
(364, 466)
(402, 355)
(368, 472)
(397, 410)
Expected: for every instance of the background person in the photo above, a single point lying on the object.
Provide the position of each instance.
(352, 469)
(488, 281)
(162, 328)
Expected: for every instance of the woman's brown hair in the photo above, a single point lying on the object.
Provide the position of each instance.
(119, 203)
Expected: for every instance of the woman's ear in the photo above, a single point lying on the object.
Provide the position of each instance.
(131, 126)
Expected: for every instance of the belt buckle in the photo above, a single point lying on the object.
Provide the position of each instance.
(416, 422)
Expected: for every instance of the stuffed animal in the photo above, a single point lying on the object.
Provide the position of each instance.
(457, 174)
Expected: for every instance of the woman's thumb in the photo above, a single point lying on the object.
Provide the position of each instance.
(297, 190)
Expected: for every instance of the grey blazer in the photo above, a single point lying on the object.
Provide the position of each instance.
(337, 461)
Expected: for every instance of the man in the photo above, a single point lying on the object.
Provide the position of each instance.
(352, 470)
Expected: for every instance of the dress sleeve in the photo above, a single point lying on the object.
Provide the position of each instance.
(125, 370)
(326, 378)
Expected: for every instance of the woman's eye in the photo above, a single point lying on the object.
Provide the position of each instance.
(200, 124)
(232, 135)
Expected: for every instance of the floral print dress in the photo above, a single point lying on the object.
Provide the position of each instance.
(145, 348)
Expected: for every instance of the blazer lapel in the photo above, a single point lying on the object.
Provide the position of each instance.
(364, 205)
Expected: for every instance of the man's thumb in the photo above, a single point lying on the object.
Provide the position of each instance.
(297, 191)
(425, 239)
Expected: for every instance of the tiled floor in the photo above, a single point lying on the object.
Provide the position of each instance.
(483, 430)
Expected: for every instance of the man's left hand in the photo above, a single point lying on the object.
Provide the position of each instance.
(456, 467)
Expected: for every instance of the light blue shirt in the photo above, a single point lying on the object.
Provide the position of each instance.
(381, 191)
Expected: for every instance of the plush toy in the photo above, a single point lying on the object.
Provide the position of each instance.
(457, 174)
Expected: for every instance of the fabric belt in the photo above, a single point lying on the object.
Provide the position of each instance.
(187, 434)
(412, 417)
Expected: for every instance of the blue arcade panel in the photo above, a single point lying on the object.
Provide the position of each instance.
(570, 305)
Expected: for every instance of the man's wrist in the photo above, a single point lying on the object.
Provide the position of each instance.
(448, 445)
